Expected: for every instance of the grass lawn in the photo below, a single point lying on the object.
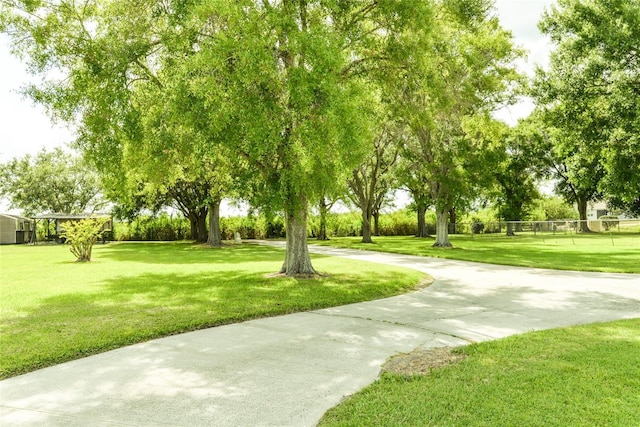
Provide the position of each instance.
(580, 376)
(54, 310)
(583, 252)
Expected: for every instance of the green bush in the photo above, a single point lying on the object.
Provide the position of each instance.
(82, 235)
(163, 227)
(481, 221)
(404, 222)
(553, 208)
(609, 221)
(166, 227)
(477, 226)
(252, 227)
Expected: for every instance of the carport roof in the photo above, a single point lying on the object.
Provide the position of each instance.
(16, 216)
(72, 216)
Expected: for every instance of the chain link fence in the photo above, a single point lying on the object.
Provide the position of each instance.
(542, 229)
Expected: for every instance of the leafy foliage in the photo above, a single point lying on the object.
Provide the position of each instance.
(515, 177)
(51, 181)
(551, 208)
(590, 97)
(371, 181)
(82, 235)
(460, 73)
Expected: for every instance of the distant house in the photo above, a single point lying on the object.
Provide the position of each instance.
(15, 229)
(596, 209)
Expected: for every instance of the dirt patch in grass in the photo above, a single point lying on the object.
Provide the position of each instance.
(422, 361)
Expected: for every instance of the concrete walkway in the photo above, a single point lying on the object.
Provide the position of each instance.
(288, 370)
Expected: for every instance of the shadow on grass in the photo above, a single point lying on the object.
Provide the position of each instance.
(597, 255)
(134, 309)
(586, 375)
(187, 253)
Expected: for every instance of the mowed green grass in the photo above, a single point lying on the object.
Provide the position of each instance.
(619, 253)
(53, 309)
(579, 376)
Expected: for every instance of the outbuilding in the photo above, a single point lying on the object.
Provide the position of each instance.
(58, 220)
(16, 229)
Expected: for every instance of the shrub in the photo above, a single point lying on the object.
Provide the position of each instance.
(82, 235)
(477, 226)
(403, 222)
(163, 228)
(609, 221)
(252, 227)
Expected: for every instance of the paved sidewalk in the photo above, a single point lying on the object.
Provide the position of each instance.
(288, 370)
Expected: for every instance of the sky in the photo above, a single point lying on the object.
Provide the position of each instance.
(26, 129)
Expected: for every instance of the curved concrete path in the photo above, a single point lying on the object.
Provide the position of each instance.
(288, 370)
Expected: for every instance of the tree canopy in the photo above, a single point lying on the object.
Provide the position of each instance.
(590, 96)
(277, 102)
(50, 182)
(445, 95)
(280, 85)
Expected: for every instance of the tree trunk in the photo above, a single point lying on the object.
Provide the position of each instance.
(214, 238)
(201, 225)
(452, 221)
(510, 231)
(422, 222)
(376, 223)
(322, 232)
(296, 260)
(442, 232)
(582, 212)
(366, 226)
(193, 226)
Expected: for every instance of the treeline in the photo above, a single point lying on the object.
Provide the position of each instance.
(402, 222)
(166, 227)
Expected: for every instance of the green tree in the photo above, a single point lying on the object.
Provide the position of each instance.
(371, 181)
(287, 80)
(590, 92)
(282, 83)
(411, 176)
(119, 59)
(460, 72)
(515, 176)
(50, 181)
(571, 156)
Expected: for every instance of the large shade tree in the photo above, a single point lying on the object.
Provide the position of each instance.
(445, 95)
(372, 180)
(590, 94)
(288, 82)
(412, 177)
(282, 82)
(117, 59)
(516, 176)
(50, 182)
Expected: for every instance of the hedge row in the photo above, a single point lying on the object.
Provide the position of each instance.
(402, 222)
(166, 227)
(162, 228)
